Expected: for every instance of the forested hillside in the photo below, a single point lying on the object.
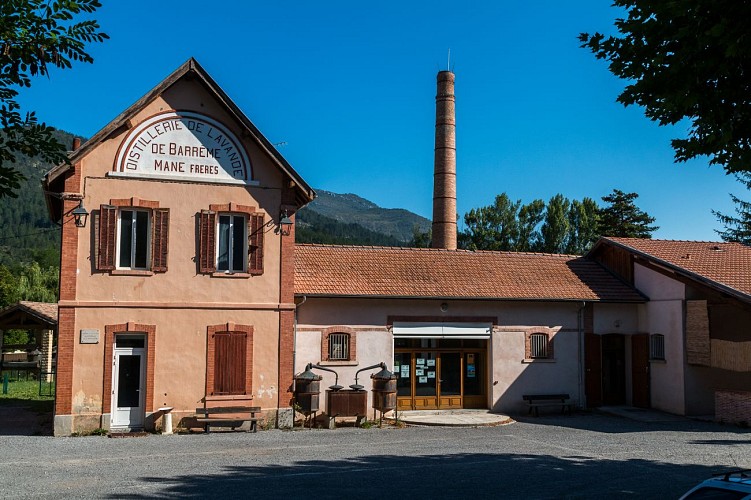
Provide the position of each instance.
(26, 232)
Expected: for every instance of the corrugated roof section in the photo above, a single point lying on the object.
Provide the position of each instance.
(726, 264)
(330, 270)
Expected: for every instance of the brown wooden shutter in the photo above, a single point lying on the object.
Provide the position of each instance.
(255, 244)
(229, 362)
(207, 241)
(107, 225)
(160, 240)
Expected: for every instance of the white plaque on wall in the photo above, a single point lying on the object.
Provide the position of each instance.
(183, 146)
(90, 336)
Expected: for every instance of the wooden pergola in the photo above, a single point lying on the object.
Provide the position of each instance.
(39, 317)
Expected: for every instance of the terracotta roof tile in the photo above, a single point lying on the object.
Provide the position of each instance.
(331, 270)
(723, 264)
(44, 311)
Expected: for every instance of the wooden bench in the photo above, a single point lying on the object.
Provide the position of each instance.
(228, 417)
(535, 401)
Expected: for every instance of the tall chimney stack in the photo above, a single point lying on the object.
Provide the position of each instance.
(444, 174)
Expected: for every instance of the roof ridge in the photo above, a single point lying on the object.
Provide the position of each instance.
(440, 250)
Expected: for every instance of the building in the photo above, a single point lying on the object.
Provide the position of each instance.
(692, 352)
(186, 289)
(178, 292)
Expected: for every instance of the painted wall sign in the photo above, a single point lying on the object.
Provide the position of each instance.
(184, 146)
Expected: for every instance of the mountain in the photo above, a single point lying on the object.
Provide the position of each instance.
(27, 234)
(352, 209)
(26, 231)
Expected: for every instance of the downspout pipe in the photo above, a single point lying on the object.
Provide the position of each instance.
(294, 351)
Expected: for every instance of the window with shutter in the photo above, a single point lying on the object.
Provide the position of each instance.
(107, 226)
(132, 234)
(206, 238)
(229, 363)
(255, 244)
(230, 240)
(160, 240)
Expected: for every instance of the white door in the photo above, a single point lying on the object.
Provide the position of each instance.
(128, 389)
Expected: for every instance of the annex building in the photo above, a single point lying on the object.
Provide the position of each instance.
(186, 289)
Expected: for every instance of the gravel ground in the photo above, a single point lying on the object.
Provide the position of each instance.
(580, 456)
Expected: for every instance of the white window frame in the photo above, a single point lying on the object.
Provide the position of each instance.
(217, 252)
(134, 211)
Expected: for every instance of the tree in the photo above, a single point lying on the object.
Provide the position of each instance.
(494, 227)
(582, 221)
(555, 229)
(34, 36)
(737, 228)
(529, 219)
(421, 239)
(687, 59)
(622, 218)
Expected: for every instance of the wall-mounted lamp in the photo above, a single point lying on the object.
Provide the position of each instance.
(80, 215)
(285, 224)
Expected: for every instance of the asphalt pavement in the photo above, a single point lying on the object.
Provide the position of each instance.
(580, 456)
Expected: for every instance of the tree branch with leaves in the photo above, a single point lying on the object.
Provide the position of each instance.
(35, 36)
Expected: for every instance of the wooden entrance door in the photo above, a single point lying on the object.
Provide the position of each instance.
(613, 369)
(640, 370)
(450, 380)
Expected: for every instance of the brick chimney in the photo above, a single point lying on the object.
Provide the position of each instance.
(444, 174)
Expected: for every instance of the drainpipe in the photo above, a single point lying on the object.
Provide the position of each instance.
(580, 336)
(294, 353)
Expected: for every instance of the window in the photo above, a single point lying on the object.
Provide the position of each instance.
(231, 243)
(338, 347)
(230, 239)
(538, 345)
(131, 234)
(339, 344)
(134, 239)
(230, 360)
(657, 347)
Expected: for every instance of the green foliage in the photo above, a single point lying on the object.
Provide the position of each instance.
(312, 227)
(34, 35)
(687, 59)
(561, 226)
(421, 239)
(555, 228)
(583, 217)
(622, 218)
(737, 227)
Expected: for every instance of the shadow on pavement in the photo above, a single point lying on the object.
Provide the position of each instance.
(20, 417)
(482, 475)
(597, 422)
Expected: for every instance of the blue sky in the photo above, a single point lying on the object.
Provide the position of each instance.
(349, 89)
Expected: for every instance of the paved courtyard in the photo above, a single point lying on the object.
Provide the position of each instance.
(579, 456)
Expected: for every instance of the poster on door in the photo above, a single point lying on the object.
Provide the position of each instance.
(470, 365)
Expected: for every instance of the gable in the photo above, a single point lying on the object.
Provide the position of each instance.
(185, 129)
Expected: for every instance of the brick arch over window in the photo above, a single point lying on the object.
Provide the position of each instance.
(109, 341)
(536, 340)
(325, 338)
(229, 360)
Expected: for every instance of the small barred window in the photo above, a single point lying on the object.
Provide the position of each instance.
(538, 345)
(338, 346)
(657, 347)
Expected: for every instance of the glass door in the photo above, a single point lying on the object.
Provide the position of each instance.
(450, 380)
(426, 381)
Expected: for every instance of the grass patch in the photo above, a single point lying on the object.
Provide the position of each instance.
(26, 393)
